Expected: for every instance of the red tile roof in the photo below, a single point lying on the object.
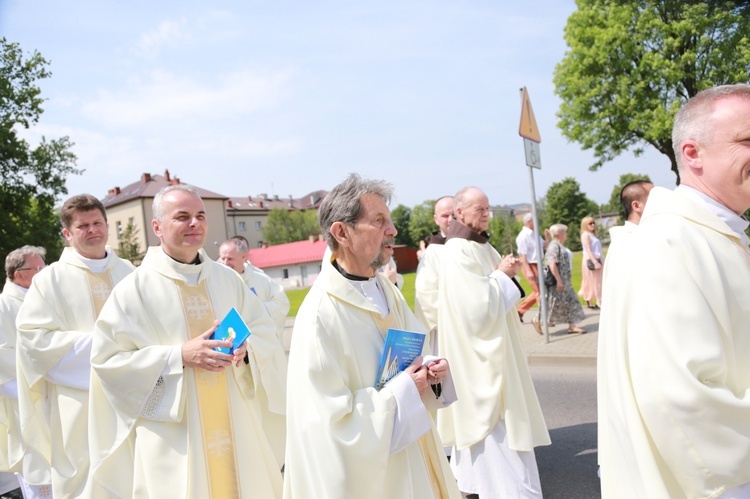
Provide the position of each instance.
(147, 187)
(288, 254)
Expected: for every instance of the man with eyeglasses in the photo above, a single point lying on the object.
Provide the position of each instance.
(21, 265)
(54, 345)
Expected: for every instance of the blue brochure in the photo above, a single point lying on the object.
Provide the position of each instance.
(232, 328)
(400, 350)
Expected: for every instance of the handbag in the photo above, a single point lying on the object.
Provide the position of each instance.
(549, 278)
(590, 264)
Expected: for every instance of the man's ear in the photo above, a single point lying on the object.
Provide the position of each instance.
(691, 155)
(66, 234)
(155, 227)
(340, 232)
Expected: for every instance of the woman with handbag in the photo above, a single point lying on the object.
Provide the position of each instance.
(592, 266)
(562, 302)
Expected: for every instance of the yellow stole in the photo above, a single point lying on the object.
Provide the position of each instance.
(213, 400)
(100, 287)
(427, 446)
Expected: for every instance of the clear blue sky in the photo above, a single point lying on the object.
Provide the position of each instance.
(289, 97)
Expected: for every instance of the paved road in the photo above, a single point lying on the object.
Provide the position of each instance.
(568, 396)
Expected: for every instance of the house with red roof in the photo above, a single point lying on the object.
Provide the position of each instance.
(132, 205)
(227, 216)
(293, 265)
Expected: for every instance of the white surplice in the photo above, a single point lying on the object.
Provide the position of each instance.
(145, 432)
(479, 334)
(673, 375)
(346, 439)
(277, 305)
(54, 333)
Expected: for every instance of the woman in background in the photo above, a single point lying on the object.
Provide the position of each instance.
(562, 302)
(592, 264)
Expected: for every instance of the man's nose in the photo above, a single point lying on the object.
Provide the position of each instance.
(391, 230)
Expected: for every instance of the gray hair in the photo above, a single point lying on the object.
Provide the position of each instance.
(558, 229)
(157, 209)
(16, 259)
(463, 196)
(240, 245)
(527, 218)
(691, 121)
(343, 203)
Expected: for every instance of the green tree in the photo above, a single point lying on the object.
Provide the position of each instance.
(401, 216)
(288, 226)
(421, 223)
(503, 231)
(566, 204)
(32, 179)
(632, 64)
(128, 245)
(614, 200)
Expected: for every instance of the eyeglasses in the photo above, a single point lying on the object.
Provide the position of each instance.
(33, 268)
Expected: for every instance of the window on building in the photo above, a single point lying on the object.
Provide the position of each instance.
(257, 225)
(131, 221)
(119, 228)
(286, 273)
(242, 226)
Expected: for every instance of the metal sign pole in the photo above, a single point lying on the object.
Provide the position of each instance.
(529, 130)
(540, 254)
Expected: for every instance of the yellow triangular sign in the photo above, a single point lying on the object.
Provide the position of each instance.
(528, 128)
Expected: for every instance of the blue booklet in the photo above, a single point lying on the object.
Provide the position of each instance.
(232, 328)
(400, 350)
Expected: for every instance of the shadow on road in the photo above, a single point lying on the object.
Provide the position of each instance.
(567, 468)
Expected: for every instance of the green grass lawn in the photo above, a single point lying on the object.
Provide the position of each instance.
(297, 295)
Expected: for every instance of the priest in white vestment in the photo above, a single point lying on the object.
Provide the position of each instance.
(233, 254)
(21, 265)
(170, 415)
(346, 439)
(497, 420)
(674, 376)
(55, 324)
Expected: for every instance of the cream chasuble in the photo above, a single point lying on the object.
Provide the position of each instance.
(339, 426)
(673, 374)
(489, 365)
(59, 309)
(277, 305)
(160, 430)
(11, 450)
(426, 285)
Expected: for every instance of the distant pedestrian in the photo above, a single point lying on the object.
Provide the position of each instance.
(592, 266)
(526, 242)
(562, 303)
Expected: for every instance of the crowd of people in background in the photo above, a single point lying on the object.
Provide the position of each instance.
(114, 383)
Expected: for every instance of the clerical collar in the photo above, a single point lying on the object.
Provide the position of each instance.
(737, 223)
(94, 264)
(197, 260)
(457, 230)
(368, 287)
(349, 276)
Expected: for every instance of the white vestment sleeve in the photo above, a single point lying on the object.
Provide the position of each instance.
(74, 368)
(164, 402)
(510, 292)
(410, 419)
(10, 389)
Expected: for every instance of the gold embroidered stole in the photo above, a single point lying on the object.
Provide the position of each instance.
(213, 400)
(100, 287)
(426, 442)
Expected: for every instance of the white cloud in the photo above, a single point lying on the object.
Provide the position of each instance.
(169, 33)
(168, 98)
